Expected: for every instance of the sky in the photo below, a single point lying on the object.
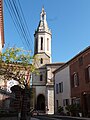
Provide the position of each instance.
(69, 21)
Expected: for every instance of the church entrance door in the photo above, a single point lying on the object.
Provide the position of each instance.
(41, 102)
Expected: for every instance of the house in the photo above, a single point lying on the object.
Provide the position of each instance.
(62, 92)
(80, 80)
(72, 82)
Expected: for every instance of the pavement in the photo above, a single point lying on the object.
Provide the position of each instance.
(34, 119)
(82, 118)
(63, 117)
(53, 116)
(15, 118)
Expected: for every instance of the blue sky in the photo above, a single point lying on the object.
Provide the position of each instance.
(69, 21)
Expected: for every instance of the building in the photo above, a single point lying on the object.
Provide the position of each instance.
(62, 87)
(8, 79)
(43, 83)
(80, 80)
(1, 26)
(72, 83)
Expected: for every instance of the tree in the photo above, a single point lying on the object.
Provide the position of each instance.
(17, 64)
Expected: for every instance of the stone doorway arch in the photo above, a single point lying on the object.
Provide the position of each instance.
(41, 102)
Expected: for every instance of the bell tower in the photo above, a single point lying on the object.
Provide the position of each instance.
(43, 83)
(42, 41)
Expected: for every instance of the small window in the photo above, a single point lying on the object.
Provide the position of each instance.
(66, 102)
(80, 60)
(75, 80)
(57, 104)
(61, 87)
(41, 61)
(76, 101)
(41, 77)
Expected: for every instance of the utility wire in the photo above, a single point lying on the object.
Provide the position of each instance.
(21, 23)
(22, 28)
(15, 15)
(14, 21)
(25, 21)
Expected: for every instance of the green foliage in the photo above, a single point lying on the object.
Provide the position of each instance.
(73, 108)
(14, 62)
(16, 55)
(60, 109)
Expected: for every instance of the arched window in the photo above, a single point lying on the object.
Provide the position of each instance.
(41, 61)
(41, 43)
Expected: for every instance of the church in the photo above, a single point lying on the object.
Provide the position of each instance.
(43, 83)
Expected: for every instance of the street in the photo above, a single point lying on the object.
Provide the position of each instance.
(58, 118)
(46, 117)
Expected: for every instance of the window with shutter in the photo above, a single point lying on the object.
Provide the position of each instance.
(57, 104)
(72, 81)
(61, 87)
(57, 88)
(76, 80)
(87, 74)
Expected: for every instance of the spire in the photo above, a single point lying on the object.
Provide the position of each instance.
(43, 8)
(43, 15)
(43, 26)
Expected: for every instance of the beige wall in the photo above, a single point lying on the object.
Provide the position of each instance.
(62, 76)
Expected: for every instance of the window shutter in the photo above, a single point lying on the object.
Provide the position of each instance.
(72, 81)
(77, 79)
(61, 86)
(86, 75)
(57, 88)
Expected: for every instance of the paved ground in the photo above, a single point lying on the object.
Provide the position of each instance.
(14, 118)
(34, 119)
(43, 117)
(57, 117)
